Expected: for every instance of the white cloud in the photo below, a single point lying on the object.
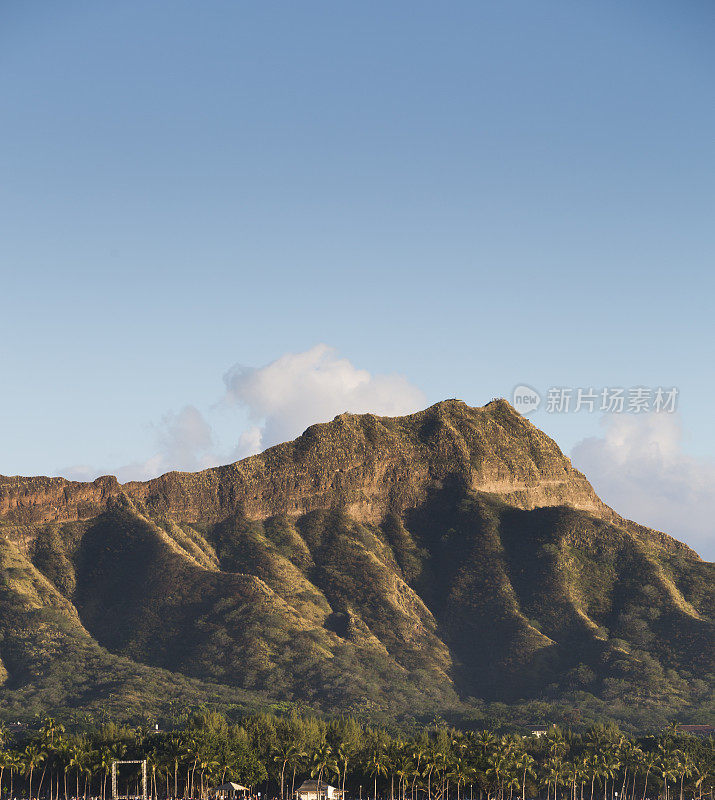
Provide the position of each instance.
(281, 399)
(249, 443)
(184, 442)
(79, 472)
(639, 468)
(298, 389)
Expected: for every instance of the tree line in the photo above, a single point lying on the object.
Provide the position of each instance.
(273, 754)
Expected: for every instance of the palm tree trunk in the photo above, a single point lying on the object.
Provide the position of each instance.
(42, 777)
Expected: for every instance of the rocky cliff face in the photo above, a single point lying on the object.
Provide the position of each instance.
(369, 465)
(400, 563)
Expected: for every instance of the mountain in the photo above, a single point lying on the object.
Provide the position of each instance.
(446, 562)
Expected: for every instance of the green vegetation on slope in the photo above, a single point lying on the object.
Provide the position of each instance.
(479, 591)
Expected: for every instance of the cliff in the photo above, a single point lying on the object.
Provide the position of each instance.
(410, 565)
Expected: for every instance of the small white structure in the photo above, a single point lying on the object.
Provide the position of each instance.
(229, 790)
(308, 790)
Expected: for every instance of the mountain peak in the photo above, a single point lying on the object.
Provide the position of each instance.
(408, 562)
(372, 464)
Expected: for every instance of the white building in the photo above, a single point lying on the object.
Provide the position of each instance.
(229, 790)
(308, 790)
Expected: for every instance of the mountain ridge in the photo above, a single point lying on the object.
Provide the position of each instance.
(17, 493)
(383, 563)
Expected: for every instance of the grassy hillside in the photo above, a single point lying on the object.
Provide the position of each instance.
(457, 562)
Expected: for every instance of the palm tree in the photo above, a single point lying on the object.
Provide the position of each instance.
(33, 755)
(51, 736)
(636, 758)
(702, 772)
(525, 764)
(556, 741)
(14, 764)
(51, 731)
(485, 740)
(460, 770)
(650, 761)
(419, 751)
(296, 760)
(592, 767)
(553, 769)
(440, 761)
(323, 761)
(496, 769)
(62, 756)
(571, 775)
(285, 753)
(665, 765)
(582, 768)
(7, 761)
(377, 765)
(193, 751)
(108, 754)
(206, 765)
(175, 751)
(683, 767)
(609, 768)
(4, 762)
(431, 763)
(393, 755)
(164, 768)
(88, 768)
(511, 783)
(77, 758)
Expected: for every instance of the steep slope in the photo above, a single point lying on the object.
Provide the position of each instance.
(368, 465)
(49, 660)
(374, 563)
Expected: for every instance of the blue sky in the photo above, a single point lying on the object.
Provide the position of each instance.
(468, 195)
